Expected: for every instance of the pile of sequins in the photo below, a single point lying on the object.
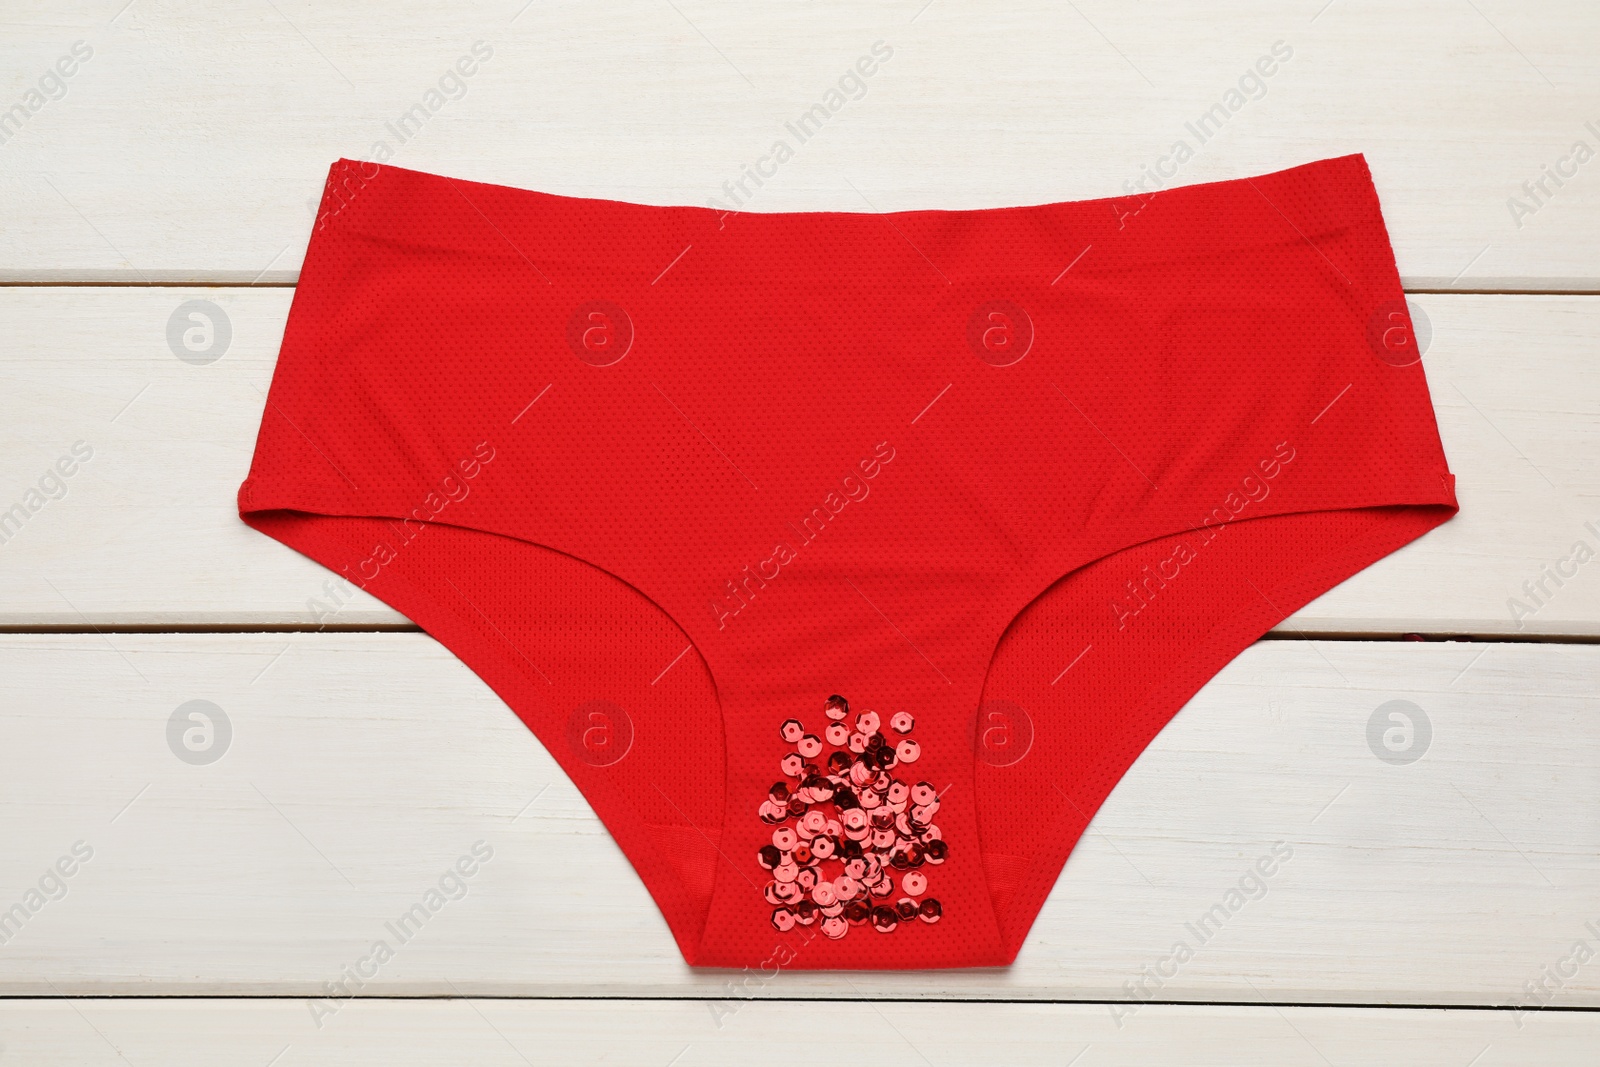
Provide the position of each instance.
(846, 827)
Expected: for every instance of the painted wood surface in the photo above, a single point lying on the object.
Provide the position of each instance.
(187, 146)
(357, 768)
(147, 531)
(161, 141)
(282, 1033)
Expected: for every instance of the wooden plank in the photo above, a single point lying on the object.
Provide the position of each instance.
(188, 145)
(361, 766)
(397, 1033)
(148, 533)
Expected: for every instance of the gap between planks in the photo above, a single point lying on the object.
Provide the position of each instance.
(223, 284)
(175, 629)
(1569, 1009)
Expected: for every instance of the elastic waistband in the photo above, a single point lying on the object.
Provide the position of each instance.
(571, 237)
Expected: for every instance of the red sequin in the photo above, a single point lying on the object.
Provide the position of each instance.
(846, 834)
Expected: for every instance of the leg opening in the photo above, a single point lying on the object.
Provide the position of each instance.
(1092, 670)
(603, 677)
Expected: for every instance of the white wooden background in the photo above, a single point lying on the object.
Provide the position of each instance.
(180, 161)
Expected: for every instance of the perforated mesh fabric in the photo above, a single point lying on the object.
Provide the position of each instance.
(666, 478)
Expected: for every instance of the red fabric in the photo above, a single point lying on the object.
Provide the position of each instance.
(574, 439)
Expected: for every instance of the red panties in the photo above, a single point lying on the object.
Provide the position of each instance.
(846, 561)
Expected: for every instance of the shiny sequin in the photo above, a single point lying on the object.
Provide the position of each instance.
(848, 828)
